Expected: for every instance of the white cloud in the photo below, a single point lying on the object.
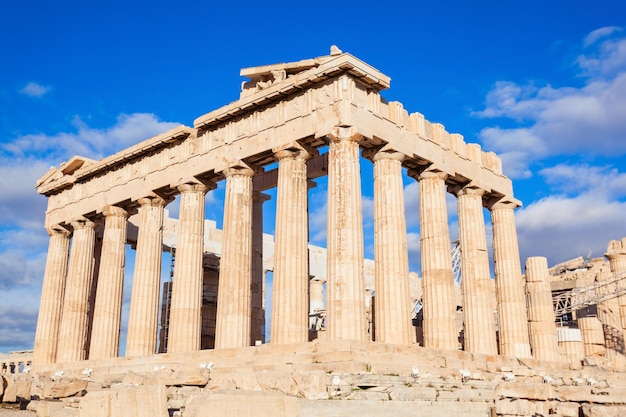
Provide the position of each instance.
(34, 89)
(608, 59)
(561, 228)
(603, 181)
(18, 317)
(90, 142)
(566, 120)
(583, 216)
(597, 34)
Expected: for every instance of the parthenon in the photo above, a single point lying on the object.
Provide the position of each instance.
(292, 124)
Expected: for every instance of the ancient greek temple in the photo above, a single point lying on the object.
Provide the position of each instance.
(294, 122)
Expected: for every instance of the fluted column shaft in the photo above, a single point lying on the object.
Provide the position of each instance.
(391, 259)
(107, 315)
(52, 292)
(232, 328)
(480, 336)
(185, 327)
(257, 289)
(141, 339)
(616, 254)
(290, 290)
(345, 291)
(439, 301)
(512, 320)
(75, 318)
(541, 327)
(608, 314)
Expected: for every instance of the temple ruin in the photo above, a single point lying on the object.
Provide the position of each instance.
(340, 323)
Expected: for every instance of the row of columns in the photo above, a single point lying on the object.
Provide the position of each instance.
(63, 330)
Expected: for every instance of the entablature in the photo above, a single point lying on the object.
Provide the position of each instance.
(341, 92)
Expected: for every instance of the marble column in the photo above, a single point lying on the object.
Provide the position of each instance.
(73, 335)
(107, 315)
(439, 300)
(184, 333)
(290, 304)
(510, 292)
(52, 292)
(609, 316)
(345, 303)
(391, 259)
(232, 327)
(541, 327)
(593, 336)
(478, 315)
(616, 254)
(257, 289)
(141, 338)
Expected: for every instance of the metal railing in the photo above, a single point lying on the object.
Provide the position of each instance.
(569, 301)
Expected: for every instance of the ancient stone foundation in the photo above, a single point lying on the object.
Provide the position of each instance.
(321, 379)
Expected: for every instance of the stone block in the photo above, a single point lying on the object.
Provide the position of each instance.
(519, 407)
(65, 412)
(465, 394)
(132, 378)
(311, 385)
(126, 400)
(241, 404)
(197, 377)
(532, 391)
(567, 409)
(44, 408)
(594, 410)
(413, 393)
(63, 387)
(589, 395)
(274, 381)
(10, 390)
(368, 395)
(22, 388)
(246, 381)
(221, 382)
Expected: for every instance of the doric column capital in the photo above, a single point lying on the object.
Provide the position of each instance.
(57, 229)
(503, 203)
(115, 211)
(397, 156)
(82, 223)
(616, 249)
(240, 169)
(154, 201)
(295, 150)
(192, 188)
(429, 172)
(344, 133)
(383, 152)
(468, 189)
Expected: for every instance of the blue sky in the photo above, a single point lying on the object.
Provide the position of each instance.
(543, 84)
